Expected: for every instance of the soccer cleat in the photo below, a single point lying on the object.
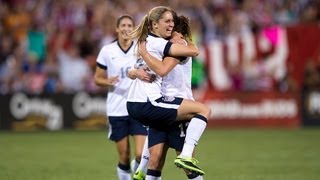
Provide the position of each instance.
(188, 164)
(139, 175)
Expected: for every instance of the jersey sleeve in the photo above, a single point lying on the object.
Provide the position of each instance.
(103, 58)
(163, 46)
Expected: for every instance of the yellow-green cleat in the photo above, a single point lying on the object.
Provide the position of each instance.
(189, 164)
(139, 175)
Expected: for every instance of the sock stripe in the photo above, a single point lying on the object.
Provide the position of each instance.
(199, 116)
(192, 175)
(124, 167)
(154, 173)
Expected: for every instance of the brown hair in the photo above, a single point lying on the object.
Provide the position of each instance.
(183, 26)
(123, 17)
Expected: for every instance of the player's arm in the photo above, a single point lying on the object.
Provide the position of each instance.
(182, 49)
(101, 79)
(161, 68)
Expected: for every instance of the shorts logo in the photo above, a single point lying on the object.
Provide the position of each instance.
(168, 98)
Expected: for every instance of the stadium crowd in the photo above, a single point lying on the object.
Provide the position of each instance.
(50, 46)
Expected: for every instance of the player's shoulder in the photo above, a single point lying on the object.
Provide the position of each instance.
(152, 37)
(154, 42)
(110, 47)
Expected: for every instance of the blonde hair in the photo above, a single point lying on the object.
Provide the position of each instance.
(154, 15)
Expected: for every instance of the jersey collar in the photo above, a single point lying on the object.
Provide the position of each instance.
(123, 49)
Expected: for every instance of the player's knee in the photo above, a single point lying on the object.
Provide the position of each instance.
(124, 157)
(206, 111)
(124, 161)
(156, 162)
(155, 165)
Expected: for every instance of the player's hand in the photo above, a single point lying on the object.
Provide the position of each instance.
(177, 38)
(142, 48)
(144, 74)
(112, 80)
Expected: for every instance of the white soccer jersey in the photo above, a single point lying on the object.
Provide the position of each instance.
(178, 81)
(141, 91)
(117, 63)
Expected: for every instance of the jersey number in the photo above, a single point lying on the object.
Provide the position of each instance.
(124, 72)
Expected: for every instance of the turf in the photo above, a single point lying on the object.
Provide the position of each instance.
(242, 154)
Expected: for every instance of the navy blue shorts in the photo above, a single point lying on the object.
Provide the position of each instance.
(159, 114)
(174, 136)
(123, 126)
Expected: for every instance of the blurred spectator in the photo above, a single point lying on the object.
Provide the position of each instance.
(237, 77)
(11, 79)
(256, 77)
(34, 77)
(17, 21)
(73, 69)
(36, 42)
(6, 48)
(198, 73)
(287, 13)
(287, 83)
(312, 75)
(53, 83)
(311, 13)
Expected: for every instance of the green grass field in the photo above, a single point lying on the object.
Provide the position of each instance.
(242, 154)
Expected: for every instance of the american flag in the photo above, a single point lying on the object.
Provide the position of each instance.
(254, 54)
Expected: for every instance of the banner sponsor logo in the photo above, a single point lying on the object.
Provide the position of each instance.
(34, 113)
(90, 111)
(84, 105)
(254, 109)
(266, 109)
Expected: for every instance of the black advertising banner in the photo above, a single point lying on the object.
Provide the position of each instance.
(83, 111)
(23, 112)
(4, 112)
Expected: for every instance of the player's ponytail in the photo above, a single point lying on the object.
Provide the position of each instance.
(141, 32)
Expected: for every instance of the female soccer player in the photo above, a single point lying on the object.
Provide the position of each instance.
(113, 62)
(173, 85)
(146, 101)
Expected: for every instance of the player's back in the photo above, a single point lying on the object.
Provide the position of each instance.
(178, 81)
